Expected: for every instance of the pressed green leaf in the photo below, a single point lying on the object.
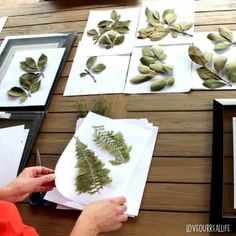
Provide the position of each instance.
(147, 60)
(170, 81)
(222, 45)
(158, 67)
(196, 55)
(112, 35)
(174, 34)
(104, 23)
(83, 74)
(168, 68)
(158, 85)
(35, 86)
(152, 17)
(170, 18)
(141, 78)
(208, 56)
(184, 26)
(26, 68)
(119, 40)
(148, 51)
(27, 79)
(230, 71)
(215, 38)
(122, 29)
(16, 92)
(157, 50)
(147, 31)
(105, 42)
(95, 38)
(42, 61)
(159, 34)
(213, 83)
(91, 62)
(30, 62)
(23, 98)
(98, 68)
(92, 32)
(119, 24)
(145, 69)
(206, 73)
(167, 12)
(114, 15)
(226, 33)
(219, 63)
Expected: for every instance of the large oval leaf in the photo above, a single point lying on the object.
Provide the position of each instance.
(119, 40)
(29, 61)
(226, 33)
(27, 79)
(35, 87)
(26, 68)
(230, 71)
(42, 61)
(16, 92)
(215, 38)
(206, 73)
(158, 85)
(222, 45)
(196, 55)
(141, 78)
(90, 62)
(219, 63)
(92, 32)
(98, 68)
(213, 83)
(148, 51)
(147, 60)
(145, 69)
(105, 42)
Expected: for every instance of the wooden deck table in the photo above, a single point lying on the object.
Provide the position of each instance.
(177, 192)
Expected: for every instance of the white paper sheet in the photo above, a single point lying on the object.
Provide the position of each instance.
(3, 20)
(185, 12)
(14, 71)
(111, 80)
(14, 138)
(66, 171)
(205, 45)
(87, 47)
(177, 55)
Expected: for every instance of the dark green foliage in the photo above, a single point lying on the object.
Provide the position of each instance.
(114, 143)
(92, 175)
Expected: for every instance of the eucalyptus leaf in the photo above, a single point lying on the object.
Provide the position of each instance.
(206, 73)
(215, 38)
(92, 32)
(145, 69)
(35, 86)
(147, 60)
(141, 78)
(98, 68)
(16, 92)
(219, 63)
(119, 40)
(213, 83)
(230, 71)
(222, 45)
(26, 68)
(158, 85)
(42, 61)
(91, 62)
(226, 33)
(196, 55)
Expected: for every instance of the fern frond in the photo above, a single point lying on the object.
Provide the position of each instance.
(102, 106)
(114, 143)
(92, 175)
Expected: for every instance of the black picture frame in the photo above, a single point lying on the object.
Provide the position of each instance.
(32, 121)
(222, 112)
(13, 44)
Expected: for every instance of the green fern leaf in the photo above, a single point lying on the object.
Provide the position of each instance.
(92, 175)
(114, 143)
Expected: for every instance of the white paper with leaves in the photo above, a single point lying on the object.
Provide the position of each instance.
(185, 13)
(11, 77)
(66, 171)
(3, 20)
(205, 45)
(87, 47)
(111, 80)
(177, 56)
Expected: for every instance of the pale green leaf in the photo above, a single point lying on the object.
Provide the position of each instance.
(35, 87)
(213, 83)
(16, 92)
(90, 62)
(226, 33)
(147, 60)
(158, 85)
(42, 61)
(98, 68)
(219, 63)
(141, 78)
(119, 40)
(196, 55)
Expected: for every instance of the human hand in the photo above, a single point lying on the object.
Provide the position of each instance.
(30, 180)
(101, 216)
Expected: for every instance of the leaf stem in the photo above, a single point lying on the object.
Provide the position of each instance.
(88, 72)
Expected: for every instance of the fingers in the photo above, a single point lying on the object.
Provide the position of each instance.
(119, 200)
(123, 218)
(46, 180)
(41, 170)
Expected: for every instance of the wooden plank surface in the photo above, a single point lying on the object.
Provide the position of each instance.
(177, 192)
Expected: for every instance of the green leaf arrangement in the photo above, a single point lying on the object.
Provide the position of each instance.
(211, 69)
(92, 68)
(160, 26)
(223, 40)
(114, 143)
(152, 64)
(92, 175)
(30, 82)
(110, 32)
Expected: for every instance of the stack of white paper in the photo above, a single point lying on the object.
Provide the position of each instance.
(127, 179)
(3, 20)
(14, 138)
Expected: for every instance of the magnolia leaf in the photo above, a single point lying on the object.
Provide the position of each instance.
(145, 69)
(26, 68)
(170, 81)
(27, 79)
(168, 68)
(16, 92)
(222, 45)
(119, 40)
(206, 73)
(98, 68)
(158, 85)
(42, 61)
(29, 61)
(219, 63)
(208, 56)
(158, 67)
(147, 60)
(114, 15)
(105, 42)
(213, 83)
(230, 71)
(83, 74)
(226, 33)
(92, 32)
(148, 52)
(196, 55)
(35, 86)
(215, 38)
(90, 62)
(152, 17)
(104, 23)
(141, 78)
(112, 35)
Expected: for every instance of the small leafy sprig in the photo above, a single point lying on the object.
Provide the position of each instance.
(223, 40)
(30, 82)
(160, 26)
(110, 32)
(92, 175)
(152, 64)
(212, 70)
(92, 68)
(114, 143)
